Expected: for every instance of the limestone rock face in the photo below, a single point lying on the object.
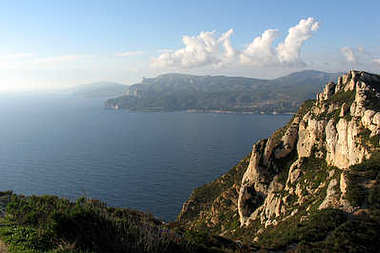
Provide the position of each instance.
(310, 134)
(334, 132)
(288, 140)
(258, 178)
(341, 144)
(332, 196)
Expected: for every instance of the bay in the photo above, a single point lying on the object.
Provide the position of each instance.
(151, 161)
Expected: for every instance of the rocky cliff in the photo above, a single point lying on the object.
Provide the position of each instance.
(323, 166)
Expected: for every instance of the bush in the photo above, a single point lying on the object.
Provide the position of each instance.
(292, 230)
(46, 223)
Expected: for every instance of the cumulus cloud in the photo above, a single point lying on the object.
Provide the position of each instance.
(206, 49)
(225, 39)
(198, 51)
(349, 54)
(261, 51)
(129, 53)
(289, 51)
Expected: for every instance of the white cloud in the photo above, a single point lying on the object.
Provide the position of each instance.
(225, 39)
(129, 53)
(349, 54)
(360, 58)
(205, 49)
(198, 51)
(260, 51)
(289, 51)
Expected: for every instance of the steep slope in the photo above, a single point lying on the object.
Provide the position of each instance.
(314, 181)
(173, 92)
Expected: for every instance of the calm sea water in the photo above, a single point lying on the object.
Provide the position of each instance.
(149, 161)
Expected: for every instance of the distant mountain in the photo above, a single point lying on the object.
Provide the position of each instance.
(99, 89)
(175, 92)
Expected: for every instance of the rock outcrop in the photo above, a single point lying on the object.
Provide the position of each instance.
(318, 161)
(332, 129)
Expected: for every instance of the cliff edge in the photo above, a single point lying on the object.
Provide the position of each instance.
(324, 164)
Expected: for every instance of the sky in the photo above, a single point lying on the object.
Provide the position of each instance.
(54, 44)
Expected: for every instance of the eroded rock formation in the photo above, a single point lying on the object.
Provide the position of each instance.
(333, 129)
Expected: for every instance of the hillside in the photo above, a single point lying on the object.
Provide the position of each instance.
(178, 92)
(100, 89)
(312, 186)
(48, 224)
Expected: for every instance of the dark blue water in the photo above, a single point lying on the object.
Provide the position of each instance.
(148, 161)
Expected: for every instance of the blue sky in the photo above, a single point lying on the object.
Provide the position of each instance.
(57, 44)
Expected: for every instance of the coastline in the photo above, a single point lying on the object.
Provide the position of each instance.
(117, 108)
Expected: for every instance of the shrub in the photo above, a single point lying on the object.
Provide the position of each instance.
(46, 223)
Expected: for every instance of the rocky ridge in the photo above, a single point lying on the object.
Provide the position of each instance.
(314, 163)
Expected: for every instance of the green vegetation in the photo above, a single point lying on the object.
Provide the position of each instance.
(37, 224)
(338, 100)
(341, 97)
(51, 224)
(203, 196)
(368, 141)
(360, 191)
(355, 235)
(315, 171)
(372, 101)
(317, 226)
(305, 107)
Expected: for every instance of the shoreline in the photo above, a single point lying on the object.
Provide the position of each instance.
(203, 111)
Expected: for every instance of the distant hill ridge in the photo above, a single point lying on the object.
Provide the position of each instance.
(179, 92)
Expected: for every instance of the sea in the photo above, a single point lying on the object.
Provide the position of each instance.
(151, 161)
